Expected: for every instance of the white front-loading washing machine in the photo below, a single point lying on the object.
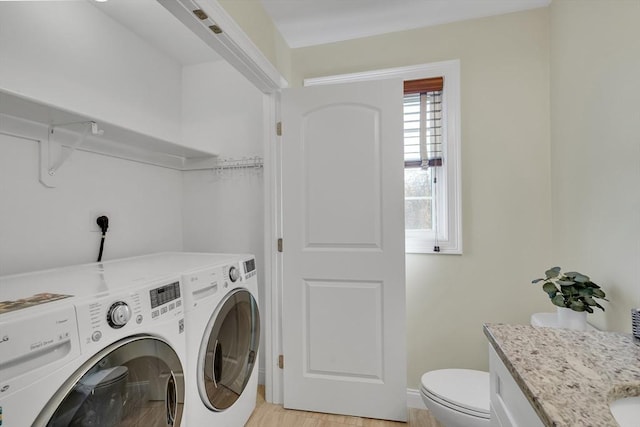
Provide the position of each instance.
(97, 353)
(223, 334)
(222, 324)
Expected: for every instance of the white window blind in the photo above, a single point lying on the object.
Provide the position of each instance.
(423, 129)
(423, 154)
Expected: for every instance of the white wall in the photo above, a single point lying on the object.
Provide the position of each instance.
(223, 212)
(595, 135)
(73, 56)
(221, 111)
(50, 227)
(84, 61)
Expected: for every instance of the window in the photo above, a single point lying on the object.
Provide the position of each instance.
(422, 154)
(431, 169)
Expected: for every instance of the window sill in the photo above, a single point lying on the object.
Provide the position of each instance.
(416, 245)
(430, 250)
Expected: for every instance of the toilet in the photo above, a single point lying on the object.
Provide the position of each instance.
(460, 397)
(457, 397)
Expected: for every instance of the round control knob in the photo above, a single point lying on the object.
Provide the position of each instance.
(234, 274)
(118, 314)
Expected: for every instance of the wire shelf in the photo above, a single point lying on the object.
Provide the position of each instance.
(256, 162)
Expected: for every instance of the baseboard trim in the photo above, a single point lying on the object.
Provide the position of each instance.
(414, 399)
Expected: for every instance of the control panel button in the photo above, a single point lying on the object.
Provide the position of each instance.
(139, 319)
(118, 314)
(95, 337)
(234, 274)
(155, 313)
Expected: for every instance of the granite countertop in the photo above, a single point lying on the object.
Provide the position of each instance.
(569, 377)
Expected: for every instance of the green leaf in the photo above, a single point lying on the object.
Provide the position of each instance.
(598, 293)
(577, 305)
(569, 291)
(571, 274)
(600, 307)
(581, 278)
(588, 309)
(550, 289)
(585, 292)
(590, 301)
(552, 272)
(565, 282)
(558, 300)
(536, 281)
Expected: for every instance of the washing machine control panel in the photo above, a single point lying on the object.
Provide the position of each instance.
(164, 294)
(249, 268)
(109, 316)
(165, 300)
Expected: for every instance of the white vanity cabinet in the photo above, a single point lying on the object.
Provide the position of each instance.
(509, 406)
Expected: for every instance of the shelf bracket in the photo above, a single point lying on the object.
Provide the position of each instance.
(50, 150)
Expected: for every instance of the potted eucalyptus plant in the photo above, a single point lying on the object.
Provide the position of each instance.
(574, 294)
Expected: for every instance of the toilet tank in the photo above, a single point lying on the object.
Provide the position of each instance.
(550, 320)
(547, 320)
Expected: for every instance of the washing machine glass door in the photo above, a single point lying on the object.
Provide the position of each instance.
(135, 382)
(229, 350)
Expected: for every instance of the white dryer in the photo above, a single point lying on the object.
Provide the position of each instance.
(223, 334)
(97, 352)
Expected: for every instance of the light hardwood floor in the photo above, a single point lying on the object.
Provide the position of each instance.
(270, 415)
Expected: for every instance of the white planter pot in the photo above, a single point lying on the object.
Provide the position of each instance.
(569, 319)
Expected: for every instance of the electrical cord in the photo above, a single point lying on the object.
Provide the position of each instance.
(103, 223)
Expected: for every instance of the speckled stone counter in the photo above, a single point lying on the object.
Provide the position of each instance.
(568, 376)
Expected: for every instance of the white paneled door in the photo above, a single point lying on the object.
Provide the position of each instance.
(344, 338)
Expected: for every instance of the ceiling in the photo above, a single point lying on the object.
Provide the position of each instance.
(306, 22)
(312, 22)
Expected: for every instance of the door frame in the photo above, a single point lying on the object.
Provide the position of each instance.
(273, 375)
